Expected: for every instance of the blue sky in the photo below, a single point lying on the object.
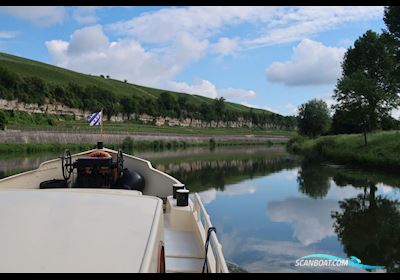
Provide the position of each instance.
(267, 57)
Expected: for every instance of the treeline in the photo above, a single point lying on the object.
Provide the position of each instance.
(368, 90)
(93, 98)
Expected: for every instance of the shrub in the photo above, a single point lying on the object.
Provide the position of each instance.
(324, 145)
(127, 144)
(51, 121)
(3, 120)
(212, 143)
(314, 118)
(294, 144)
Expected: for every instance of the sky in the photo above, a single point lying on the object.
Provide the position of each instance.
(273, 58)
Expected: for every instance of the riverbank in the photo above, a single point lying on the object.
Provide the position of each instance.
(40, 136)
(72, 126)
(127, 145)
(382, 151)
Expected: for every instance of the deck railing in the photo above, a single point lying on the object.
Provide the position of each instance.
(215, 255)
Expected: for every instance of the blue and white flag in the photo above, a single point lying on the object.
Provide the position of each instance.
(95, 118)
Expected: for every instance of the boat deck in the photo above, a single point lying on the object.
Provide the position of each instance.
(185, 235)
(92, 226)
(182, 250)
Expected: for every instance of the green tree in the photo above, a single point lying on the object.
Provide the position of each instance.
(254, 117)
(148, 106)
(128, 105)
(36, 90)
(313, 179)
(343, 122)
(392, 21)
(219, 108)
(10, 83)
(182, 108)
(207, 112)
(368, 227)
(314, 118)
(74, 95)
(367, 89)
(3, 120)
(166, 104)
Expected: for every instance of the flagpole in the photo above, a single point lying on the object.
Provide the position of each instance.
(101, 125)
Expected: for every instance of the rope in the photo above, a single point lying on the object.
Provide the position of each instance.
(210, 229)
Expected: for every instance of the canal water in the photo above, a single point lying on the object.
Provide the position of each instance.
(271, 208)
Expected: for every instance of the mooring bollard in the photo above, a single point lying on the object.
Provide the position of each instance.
(182, 197)
(176, 187)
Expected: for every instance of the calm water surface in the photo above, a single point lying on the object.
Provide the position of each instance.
(271, 208)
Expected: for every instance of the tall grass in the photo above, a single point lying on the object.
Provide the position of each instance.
(128, 145)
(383, 149)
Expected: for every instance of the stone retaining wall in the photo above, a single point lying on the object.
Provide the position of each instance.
(61, 109)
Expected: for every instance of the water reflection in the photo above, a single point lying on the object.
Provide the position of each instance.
(313, 179)
(368, 226)
(271, 208)
(309, 218)
(19, 164)
(216, 171)
(311, 208)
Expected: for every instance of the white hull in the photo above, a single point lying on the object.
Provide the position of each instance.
(183, 230)
(158, 183)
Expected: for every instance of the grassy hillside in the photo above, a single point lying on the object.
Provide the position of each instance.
(383, 149)
(60, 76)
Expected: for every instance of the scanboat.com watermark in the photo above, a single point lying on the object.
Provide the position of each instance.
(329, 260)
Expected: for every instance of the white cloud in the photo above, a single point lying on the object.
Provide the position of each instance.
(287, 109)
(58, 51)
(280, 256)
(296, 23)
(239, 189)
(202, 22)
(292, 174)
(8, 34)
(247, 104)
(384, 188)
(396, 114)
(208, 89)
(87, 40)
(90, 51)
(263, 255)
(85, 14)
(276, 25)
(291, 108)
(312, 63)
(340, 193)
(310, 218)
(345, 43)
(188, 48)
(208, 196)
(236, 93)
(201, 87)
(226, 46)
(327, 97)
(39, 15)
